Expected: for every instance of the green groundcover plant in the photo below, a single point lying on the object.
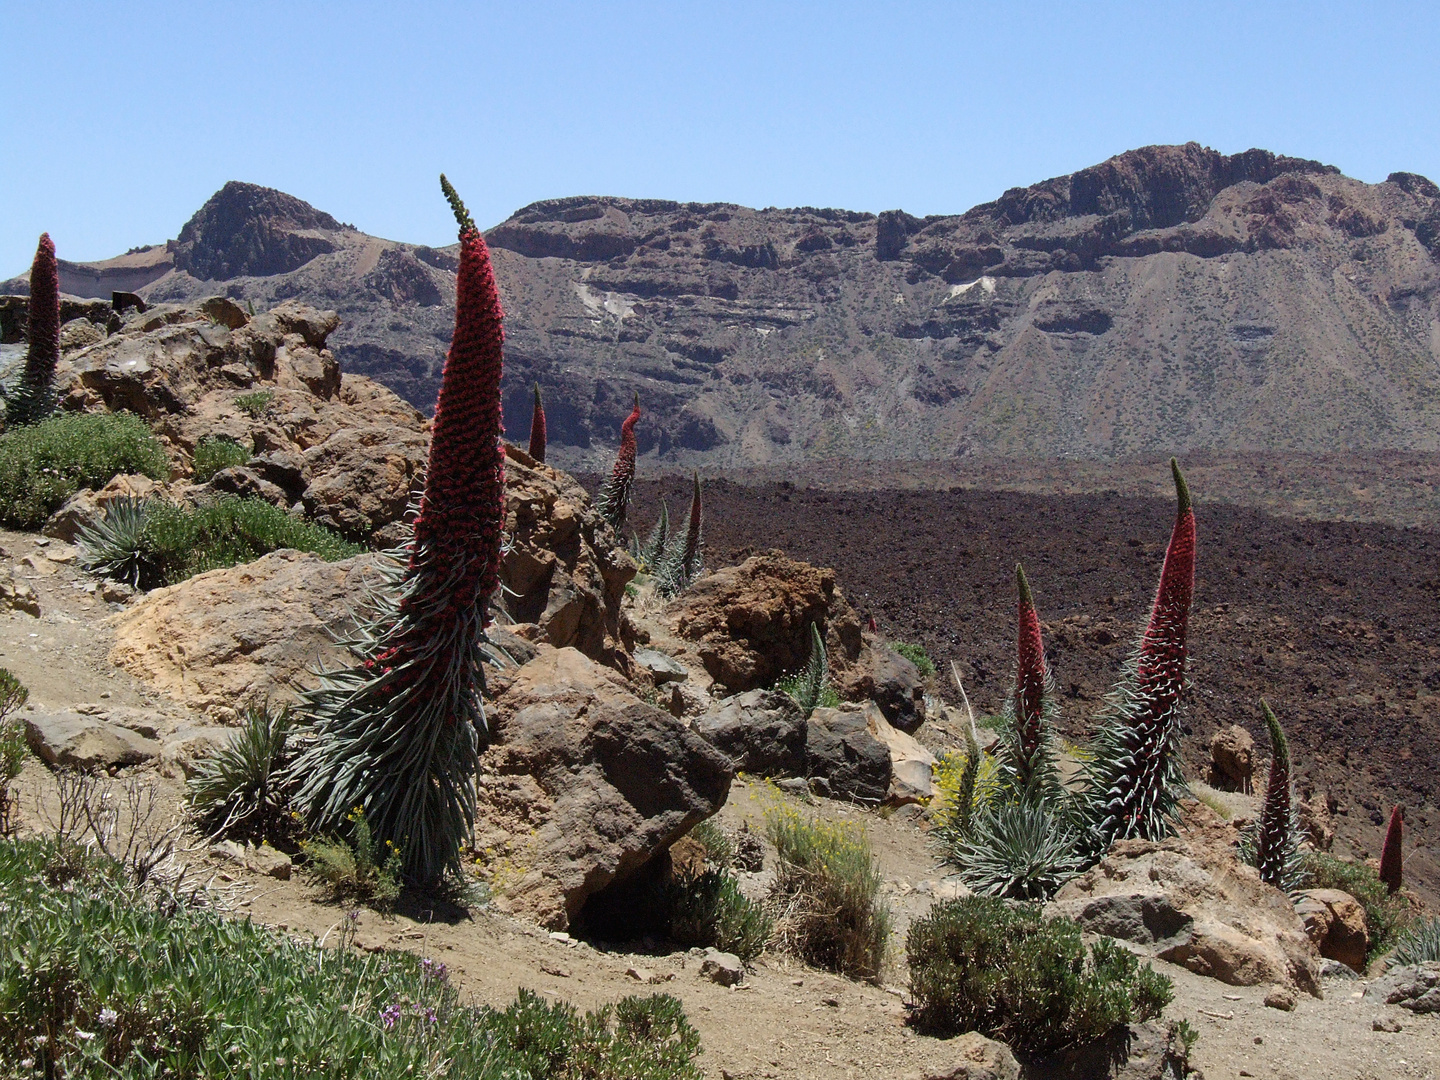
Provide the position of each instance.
(43, 464)
(99, 979)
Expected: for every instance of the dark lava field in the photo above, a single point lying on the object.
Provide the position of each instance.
(1336, 624)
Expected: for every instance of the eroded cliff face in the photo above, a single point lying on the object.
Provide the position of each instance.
(1167, 300)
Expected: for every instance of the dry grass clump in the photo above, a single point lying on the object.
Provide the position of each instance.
(827, 894)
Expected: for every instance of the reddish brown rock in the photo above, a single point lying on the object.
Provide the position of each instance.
(751, 623)
(1232, 759)
(1335, 923)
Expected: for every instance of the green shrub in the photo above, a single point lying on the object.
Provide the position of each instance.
(255, 403)
(356, 867)
(709, 909)
(917, 655)
(827, 885)
(13, 749)
(125, 984)
(1016, 850)
(215, 453)
(1419, 944)
(1385, 915)
(42, 465)
(159, 543)
(980, 964)
(719, 851)
(236, 791)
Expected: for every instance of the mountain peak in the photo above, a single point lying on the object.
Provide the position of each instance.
(248, 230)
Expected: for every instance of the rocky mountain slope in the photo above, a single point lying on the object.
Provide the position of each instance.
(1169, 299)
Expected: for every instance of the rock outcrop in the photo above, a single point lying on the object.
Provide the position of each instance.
(73, 740)
(347, 452)
(226, 639)
(1335, 923)
(761, 731)
(584, 785)
(1232, 759)
(1192, 902)
(1415, 987)
(751, 623)
(563, 573)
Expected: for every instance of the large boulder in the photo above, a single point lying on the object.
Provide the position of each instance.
(230, 638)
(1189, 900)
(751, 623)
(1415, 987)
(348, 450)
(584, 785)
(1335, 922)
(843, 753)
(563, 572)
(1232, 759)
(891, 681)
(977, 1058)
(72, 740)
(762, 732)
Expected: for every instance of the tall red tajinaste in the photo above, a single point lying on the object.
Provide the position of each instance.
(34, 396)
(1160, 669)
(1030, 676)
(1391, 858)
(462, 510)
(1274, 842)
(614, 496)
(1135, 778)
(398, 732)
(537, 429)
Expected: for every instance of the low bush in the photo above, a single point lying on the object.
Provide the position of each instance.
(99, 980)
(709, 909)
(13, 749)
(357, 866)
(256, 403)
(160, 543)
(981, 964)
(237, 791)
(917, 655)
(43, 464)
(811, 686)
(215, 453)
(827, 894)
(1419, 944)
(1385, 915)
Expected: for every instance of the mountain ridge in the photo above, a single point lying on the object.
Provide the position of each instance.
(1169, 299)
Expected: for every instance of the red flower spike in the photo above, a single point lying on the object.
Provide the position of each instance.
(34, 399)
(1160, 671)
(691, 555)
(398, 733)
(614, 497)
(1274, 842)
(537, 429)
(1135, 778)
(1391, 859)
(1030, 674)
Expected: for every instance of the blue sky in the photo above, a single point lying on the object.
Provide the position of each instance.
(121, 119)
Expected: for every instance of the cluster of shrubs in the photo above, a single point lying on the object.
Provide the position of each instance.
(152, 542)
(216, 997)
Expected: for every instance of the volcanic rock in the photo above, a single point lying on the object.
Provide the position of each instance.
(841, 748)
(584, 785)
(562, 571)
(1335, 923)
(71, 740)
(1223, 921)
(751, 623)
(892, 682)
(1232, 759)
(762, 731)
(1415, 987)
(227, 639)
(978, 1058)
